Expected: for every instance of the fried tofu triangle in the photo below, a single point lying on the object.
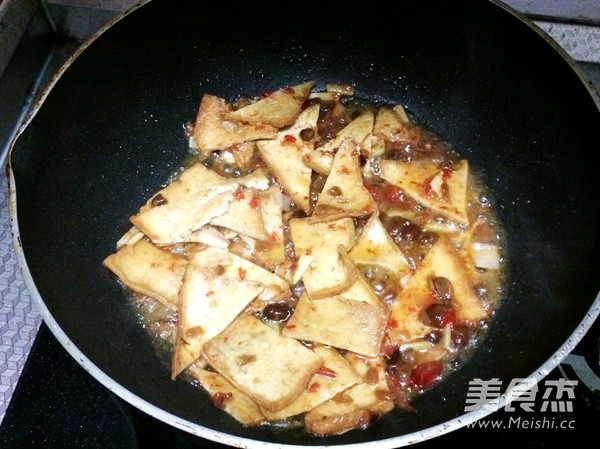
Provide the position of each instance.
(228, 398)
(271, 369)
(360, 129)
(442, 260)
(214, 130)
(189, 202)
(244, 215)
(207, 304)
(284, 156)
(278, 109)
(149, 270)
(334, 376)
(444, 190)
(328, 273)
(343, 323)
(344, 194)
(375, 246)
(185, 205)
(357, 406)
(234, 266)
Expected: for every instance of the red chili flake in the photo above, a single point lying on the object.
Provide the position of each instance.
(259, 127)
(344, 171)
(425, 374)
(221, 399)
(447, 172)
(326, 372)
(392, 324)
(242, 273)
(210, 293)
(290, 326)
(288, 139)
(427, 189)
(254, 202)
(289, 90)
(239, 195)
(448, 318)
(314, 387)
(265, 93)
(355, 152)
(273, 237)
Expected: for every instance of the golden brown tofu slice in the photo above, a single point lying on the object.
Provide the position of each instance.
(328, 273)
(362, 290)
(215, 130)
(271, 252)
(394, 127)
(442, 260)
(278, 109)
(374, 246)
(284, 156)
(343, 323)
(228, 398)
(356, 407)
(270, 368)
(360, 130)
(207, 304)
(228, 264)
(244, 215)
(344, 193)
(334, 376)
(187, 204)
(149, 270)
(441, 189)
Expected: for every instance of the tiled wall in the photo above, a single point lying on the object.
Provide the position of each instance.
(581, 42)
(575, 10)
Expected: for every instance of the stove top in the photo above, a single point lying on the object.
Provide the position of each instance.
(48, 400)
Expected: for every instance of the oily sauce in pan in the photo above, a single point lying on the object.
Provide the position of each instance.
(405, 296)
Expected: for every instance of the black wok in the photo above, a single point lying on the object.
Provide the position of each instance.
(109, 133)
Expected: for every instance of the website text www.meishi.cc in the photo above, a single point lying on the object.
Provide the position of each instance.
(553, 400)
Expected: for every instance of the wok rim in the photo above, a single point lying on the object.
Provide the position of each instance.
(221, 437)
